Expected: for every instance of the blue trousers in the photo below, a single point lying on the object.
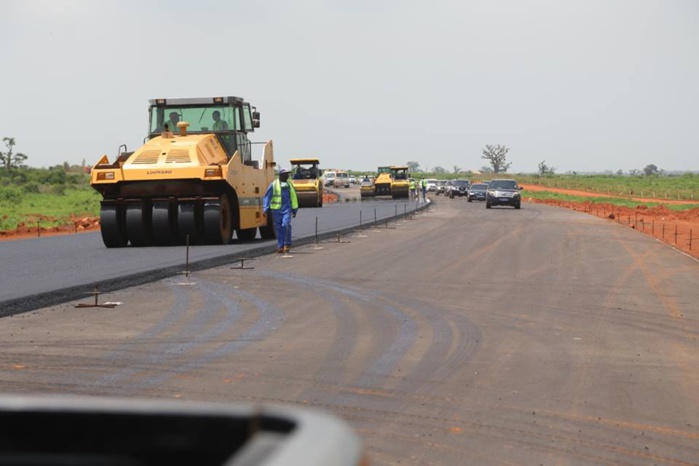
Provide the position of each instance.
(282, 227)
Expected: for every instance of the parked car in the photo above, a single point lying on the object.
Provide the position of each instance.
(431, 184)
(503, 192)
(459, 188)
(353, 179)
(477, 192)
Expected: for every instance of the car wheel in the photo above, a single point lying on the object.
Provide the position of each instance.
(487, 205)
(518, 206)
(468, 199)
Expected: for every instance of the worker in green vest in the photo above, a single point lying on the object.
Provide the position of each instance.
(280, 200)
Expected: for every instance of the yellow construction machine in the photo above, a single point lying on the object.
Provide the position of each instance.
(400, 185)
(366, 187)
(307, 182)
(383, 181)
(193, 180)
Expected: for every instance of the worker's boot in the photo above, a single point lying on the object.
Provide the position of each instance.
(286, 249)
(280, 250)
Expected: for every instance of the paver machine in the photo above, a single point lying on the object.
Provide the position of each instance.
(400, 184)
(307, 182)
(194, 179)
(383, 181)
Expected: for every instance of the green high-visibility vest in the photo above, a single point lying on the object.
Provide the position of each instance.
(412, 184)
(220, 125)
(276, 201)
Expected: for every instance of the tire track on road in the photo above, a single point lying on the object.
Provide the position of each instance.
(176, 354)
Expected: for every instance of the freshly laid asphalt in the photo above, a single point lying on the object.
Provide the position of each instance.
(44, 271)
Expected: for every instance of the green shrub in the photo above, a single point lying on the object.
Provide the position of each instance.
(54, 177)
(19, 178)
(11, 194)
(31, 187)
(58, 189)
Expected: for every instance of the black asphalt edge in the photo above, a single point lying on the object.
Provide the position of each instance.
(51, 298)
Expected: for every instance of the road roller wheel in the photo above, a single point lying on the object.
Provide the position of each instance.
(112, 226)
(164, 223)
(138, 223)
(187, 224)
(218, 227)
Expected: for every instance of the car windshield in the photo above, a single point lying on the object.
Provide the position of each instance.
(503, 184)
(459, 183)
(477, 187)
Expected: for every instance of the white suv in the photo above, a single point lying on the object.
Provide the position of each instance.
(329, 178)
(341, 180)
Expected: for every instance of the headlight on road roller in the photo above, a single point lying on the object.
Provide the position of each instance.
(103, 176)
(213, 172)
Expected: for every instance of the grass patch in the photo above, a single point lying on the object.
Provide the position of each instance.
(547, 195)
(683, 187)
(49, 208)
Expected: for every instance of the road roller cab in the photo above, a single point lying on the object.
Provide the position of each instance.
(193, 180)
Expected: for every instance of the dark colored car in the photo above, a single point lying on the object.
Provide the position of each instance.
(459, 188)
(503, 192)
(477, 191)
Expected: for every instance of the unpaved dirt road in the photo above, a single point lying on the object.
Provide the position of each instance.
(464, 336)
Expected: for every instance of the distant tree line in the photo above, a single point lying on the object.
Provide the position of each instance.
(16, 179)
(496, 155)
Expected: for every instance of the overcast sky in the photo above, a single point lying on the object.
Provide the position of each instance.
(586, 85)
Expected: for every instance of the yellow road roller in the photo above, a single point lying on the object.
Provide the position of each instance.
(383, 181)
(400, 184)
(366, 187)
(307, 183)
(193, 181)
